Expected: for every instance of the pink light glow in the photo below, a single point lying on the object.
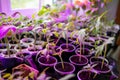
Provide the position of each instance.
(82, 2)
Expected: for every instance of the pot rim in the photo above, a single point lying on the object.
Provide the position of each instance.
(22, 41)
(68, 45)
(82, 71)
(90, 53)
(50, 65)
(100, 57)
(64, 73)
(102, 71)
(77, 63)
(38, 47)
(21, 49)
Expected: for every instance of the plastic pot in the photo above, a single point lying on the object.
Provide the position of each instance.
(67, 52)
(13, 43)
(47, 61)
(12, 53)
(68, 68)
(22, 46)
(79, 61)
(86, 45)
(86, 75)
(104, 70)
(27, 41)
(35, 49)
(98, 59)
(84, 51)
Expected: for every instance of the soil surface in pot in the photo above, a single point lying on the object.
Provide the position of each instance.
(69, 47)
(11, 52)
(22, 47)
(97, 60)
(12, 42)
(23, 54)
(87, 75)
(77, 60)
(67, 67)
(34, 49)
(27, 41)
(44, 60)
(83, 51)
(98, 67)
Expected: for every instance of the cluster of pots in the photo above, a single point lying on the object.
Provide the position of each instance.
(75, 60)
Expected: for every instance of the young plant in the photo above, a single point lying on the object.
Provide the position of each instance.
(69, 26)
(81, 36)
(7, 31)
(2, 18)
(59, 53)
(60, 56)
(102, 48)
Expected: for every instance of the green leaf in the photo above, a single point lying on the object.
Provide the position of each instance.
(56, 34)
(7, 75)
(43, 11)
(31, 75)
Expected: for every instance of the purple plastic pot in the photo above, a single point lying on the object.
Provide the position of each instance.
(23, 54)
(84, 51)
(104, 70)
(68, 68)
(47, 62)
(27, 41)
(40, 43)
(67, 52)
(35, 49)
(22, 46)
(86, 75)
(86, 45)
(98, 59)
(79, 61)
(12, 53)
(13, 43)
